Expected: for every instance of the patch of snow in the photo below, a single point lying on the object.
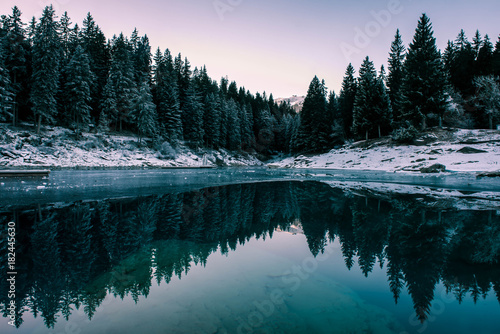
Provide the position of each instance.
(391, 158)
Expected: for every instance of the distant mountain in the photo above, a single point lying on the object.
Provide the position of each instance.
(295, 101)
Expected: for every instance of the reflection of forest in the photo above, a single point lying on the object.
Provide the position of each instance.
(73, 255)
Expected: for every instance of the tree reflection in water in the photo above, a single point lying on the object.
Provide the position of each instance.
(72, 255)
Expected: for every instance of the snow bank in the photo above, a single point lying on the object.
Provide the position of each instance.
(458, 150)
(58, 148)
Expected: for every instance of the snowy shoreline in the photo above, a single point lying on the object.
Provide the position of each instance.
(449, 150)
(455, 150)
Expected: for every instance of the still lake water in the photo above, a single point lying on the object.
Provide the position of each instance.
(266, 257)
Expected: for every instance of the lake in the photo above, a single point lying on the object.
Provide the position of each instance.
(245, 251)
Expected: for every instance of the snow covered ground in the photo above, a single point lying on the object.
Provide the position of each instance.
(58, 148)
(458, 150)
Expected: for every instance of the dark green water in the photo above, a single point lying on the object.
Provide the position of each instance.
(276, 257)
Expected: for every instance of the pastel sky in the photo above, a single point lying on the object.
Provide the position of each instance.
(277, 46)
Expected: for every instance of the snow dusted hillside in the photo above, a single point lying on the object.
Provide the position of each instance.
(295, 101)
(457, 150)
(58, 148)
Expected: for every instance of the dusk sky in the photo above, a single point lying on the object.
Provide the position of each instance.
(276, 46)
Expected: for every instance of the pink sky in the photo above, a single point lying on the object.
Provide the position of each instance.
(276, 46)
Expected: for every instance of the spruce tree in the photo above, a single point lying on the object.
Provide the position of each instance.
(496, 59)
(246, 126)
(233, 125)
(78, 88)
(120, 85)
(337, 135)
(487, 97)
(192, 118)
(346, 100)
(423, 87)
(145, 110)
(396, 75)
(17, 62)
(211, 121)
(370, 101)
(45, 77)
(314, 131)
(93, 42)
(484, 61)
(462, 65)
(5, 91)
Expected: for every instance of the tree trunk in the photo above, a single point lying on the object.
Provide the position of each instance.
(366, 134)
(424, 124)
(120, 124)
(38, 124)
(14, 111)
(379, 132)
(491, 121)
(440, 122)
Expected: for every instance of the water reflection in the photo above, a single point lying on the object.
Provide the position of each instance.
(72, 255)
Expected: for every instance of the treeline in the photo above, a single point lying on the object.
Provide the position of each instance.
(54, 72)
(76, 253)
(423, 87)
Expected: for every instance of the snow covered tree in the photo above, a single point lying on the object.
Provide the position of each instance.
(346, 99)
(78, 88)
(487, 97)
(314, 131)
(145, 110)
(396, 75)
(46, 60)
(423, 85)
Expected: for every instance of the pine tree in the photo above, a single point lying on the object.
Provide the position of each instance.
(5, 91)
(145, 109)
(142, 59)
(246, 126)
(477, 42)
(423, 86)
(93, 42)
(487, 97)
(396, 75)
(211, 121)
(17, 59)
(120, 86)
(78, 88)
(337, 136)
(166, 98)
(371, 104)
(233, 125)
(314, 131)
(462, 65)
(192, 118)
(46, 60)
(484, 61)
(496, 59)
(346, 100)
